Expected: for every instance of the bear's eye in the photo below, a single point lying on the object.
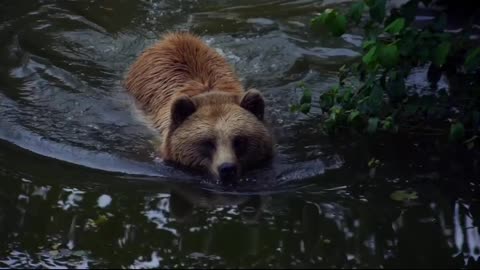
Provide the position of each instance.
(207, 147)
(240, 144)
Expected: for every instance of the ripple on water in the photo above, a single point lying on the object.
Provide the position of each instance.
(62, 97)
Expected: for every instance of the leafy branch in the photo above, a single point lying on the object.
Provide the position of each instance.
(372, 95)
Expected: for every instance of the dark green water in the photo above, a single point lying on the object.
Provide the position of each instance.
(79, 186)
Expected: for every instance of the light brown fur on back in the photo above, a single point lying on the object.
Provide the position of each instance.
(180, 64)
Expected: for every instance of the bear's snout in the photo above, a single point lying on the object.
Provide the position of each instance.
(228, 172)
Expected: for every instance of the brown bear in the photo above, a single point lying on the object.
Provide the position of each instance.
(204, 117)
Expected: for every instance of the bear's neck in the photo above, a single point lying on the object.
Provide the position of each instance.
(194, 88)
(215, 98)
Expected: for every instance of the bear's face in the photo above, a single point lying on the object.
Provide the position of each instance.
(222, 133)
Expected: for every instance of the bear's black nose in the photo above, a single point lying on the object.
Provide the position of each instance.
(227, 171)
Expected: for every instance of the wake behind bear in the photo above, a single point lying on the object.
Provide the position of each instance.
(205, 118)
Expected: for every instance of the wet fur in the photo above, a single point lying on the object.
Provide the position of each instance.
(190, 94)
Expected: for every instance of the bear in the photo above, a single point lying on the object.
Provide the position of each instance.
(204, 117)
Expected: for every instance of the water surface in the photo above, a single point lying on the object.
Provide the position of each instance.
(80, 186)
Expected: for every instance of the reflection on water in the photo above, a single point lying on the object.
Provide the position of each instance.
(174, 226)
(61, 63)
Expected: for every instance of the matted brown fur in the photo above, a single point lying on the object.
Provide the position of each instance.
(193, 98)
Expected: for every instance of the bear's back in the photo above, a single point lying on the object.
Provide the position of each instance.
(180, 63)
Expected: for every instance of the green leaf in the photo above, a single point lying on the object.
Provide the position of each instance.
(396, 26)
(330, 125)
(337, 114)
(332, 118)
(370, 56)
(305, 108)
(339, 25)
(457, 131)
(305, 101)
(327, 99)
(387, 124)
(403, 195)
(367, 44)
(377, 9)
(336, 23)
(372, 125)
(356, 11)
(353, 115)
(472, 60)
(389, 55)
(316, 22)
(307, 96)
(440, 53)
(320, 19)
(294, 108)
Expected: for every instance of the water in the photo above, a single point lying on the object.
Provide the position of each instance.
(80, 186)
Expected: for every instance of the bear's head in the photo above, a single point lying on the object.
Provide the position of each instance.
(220, 132)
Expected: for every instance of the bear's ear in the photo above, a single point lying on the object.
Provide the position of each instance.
(182, 108)
(253, 102)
